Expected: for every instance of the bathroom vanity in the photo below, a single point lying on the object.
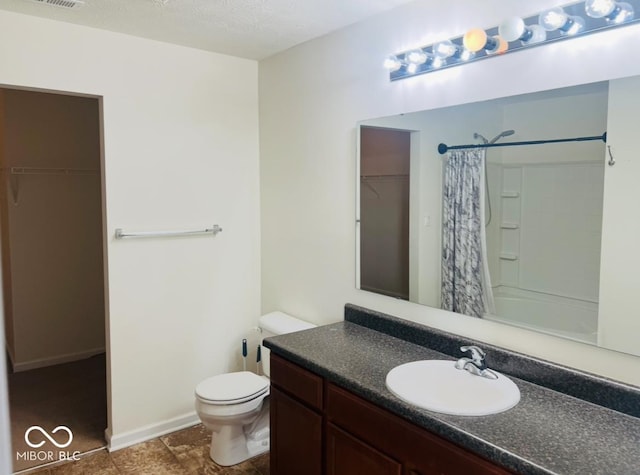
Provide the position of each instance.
(332, 414)
(308, 411)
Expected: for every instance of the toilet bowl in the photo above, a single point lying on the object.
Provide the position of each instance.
(235, 406)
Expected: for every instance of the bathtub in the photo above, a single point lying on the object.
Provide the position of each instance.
(561, 316)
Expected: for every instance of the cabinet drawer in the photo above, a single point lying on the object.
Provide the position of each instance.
(422, 452)
(300, 383)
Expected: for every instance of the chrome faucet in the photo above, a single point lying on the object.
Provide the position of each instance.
(476, 364)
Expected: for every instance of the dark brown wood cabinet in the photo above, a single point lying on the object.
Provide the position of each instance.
(296, 420)
(296, 441)
(319, 428)
(347, 455)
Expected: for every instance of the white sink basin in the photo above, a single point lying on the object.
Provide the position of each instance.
(439, 386)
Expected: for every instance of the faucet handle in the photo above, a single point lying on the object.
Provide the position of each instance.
(477, 354)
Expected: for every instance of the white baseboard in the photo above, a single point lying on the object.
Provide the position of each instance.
(151, 431)
(54, 360)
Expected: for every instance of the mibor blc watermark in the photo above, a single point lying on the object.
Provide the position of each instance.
(36, 437)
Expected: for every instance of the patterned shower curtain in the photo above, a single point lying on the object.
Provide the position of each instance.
(466, 286)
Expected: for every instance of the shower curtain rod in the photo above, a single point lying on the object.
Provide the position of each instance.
(443, 148)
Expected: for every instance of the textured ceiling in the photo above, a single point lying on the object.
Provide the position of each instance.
(252, 29)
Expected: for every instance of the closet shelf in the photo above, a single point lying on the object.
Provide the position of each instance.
(51, 171)
(13, 174)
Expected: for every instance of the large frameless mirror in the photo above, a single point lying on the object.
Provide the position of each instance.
(513, 234)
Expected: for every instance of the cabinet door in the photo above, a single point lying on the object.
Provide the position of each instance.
(347, 455)
(421, 452)
(296, 437)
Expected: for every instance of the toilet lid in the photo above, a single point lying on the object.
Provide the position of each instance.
(232, 387)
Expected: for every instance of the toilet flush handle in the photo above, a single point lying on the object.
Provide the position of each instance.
(244, 354)
(258, 360)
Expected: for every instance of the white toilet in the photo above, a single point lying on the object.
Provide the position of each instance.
(235, 406)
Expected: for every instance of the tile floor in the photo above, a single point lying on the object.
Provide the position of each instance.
(185, 452)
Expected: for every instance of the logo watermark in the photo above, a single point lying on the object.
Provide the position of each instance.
(37, 445)
(40, 438)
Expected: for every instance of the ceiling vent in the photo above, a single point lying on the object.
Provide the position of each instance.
(61, 3)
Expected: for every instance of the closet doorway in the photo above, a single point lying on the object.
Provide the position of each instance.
(53, 284)
(385, 163)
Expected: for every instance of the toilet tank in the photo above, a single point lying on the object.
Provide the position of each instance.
(278, 323)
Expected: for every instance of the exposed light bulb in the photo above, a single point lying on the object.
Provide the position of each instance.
(448, 49)
(412, 68)
(513, 29)
(417, 56)
(444, 49)
(538, 35)
(612, 11)
(599, 8)
(557, 19)
(438, 62)
(497, 45)
(466, 55)
(574, 25)
(623, 12)
(553, 19)
(392, 63)
(474, 40)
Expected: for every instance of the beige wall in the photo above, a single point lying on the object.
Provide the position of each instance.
(180, 151)
(311, 97)
(53, 229)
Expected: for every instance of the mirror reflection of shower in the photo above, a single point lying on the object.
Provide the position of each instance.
(477, 136)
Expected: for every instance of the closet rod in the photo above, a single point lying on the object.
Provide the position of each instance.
(51, 171)
(120, 234)
(443, 148)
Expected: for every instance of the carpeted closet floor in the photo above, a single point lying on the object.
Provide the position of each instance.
(72, 395)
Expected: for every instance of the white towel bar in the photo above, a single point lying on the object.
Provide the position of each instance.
(120, 234)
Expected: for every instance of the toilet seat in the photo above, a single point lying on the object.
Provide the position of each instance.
(232, 388)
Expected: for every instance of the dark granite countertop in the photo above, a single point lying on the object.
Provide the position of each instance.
(548, 432)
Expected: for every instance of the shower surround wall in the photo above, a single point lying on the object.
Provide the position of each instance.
(545, 235)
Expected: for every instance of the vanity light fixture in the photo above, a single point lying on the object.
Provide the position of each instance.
(514, 34)
(413, 60)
